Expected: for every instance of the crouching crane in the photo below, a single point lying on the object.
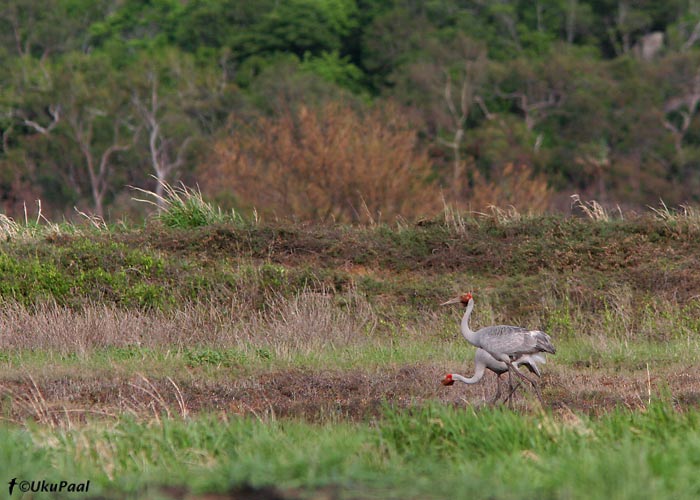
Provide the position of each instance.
(505, 343)
(483, 360)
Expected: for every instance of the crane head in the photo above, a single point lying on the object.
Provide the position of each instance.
(463, 299)
(448, 380)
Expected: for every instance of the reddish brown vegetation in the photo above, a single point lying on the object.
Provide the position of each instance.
(330, 163)
(516, 186)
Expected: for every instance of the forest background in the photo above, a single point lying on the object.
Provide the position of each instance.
(348, 110)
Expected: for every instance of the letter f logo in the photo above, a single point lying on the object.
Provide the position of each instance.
(12, 484)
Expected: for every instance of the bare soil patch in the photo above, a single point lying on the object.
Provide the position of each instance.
(322, 395)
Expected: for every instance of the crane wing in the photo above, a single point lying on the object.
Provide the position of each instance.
(514, 341)
(530, 361)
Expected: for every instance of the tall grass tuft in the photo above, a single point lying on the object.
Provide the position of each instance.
(684, 219)
(454, 221)
(182, 207)
(460, 224)
(593, 210)
(30, 229)
(8, 227)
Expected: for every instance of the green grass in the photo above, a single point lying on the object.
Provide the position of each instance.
(210, 360)
(610, 355)
(617, 354)
(432, 452)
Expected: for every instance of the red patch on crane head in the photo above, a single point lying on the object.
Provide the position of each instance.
(466, 298)
(448, 380)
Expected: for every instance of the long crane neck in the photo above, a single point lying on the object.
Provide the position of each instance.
(467, 332)
(478, 375)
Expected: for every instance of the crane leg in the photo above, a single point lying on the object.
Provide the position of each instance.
(511, 390)
(497, 396)
(527, 379)
(512, 387)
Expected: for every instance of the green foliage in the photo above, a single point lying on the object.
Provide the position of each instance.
(300, 26)
(137, 23)
(216, 357)
(92, 268)
(26, 281)
(273, 276)
(603, 266)
(335, 69)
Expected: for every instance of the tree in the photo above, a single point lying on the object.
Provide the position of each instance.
(679, 77)
(578, 18)
(97, 118)
(42, 28)
(164, 92)
(78, 104)
(535, 87)
(136, 23)
(391, 41)
(445, 83)
(461, 88)
(299, 26)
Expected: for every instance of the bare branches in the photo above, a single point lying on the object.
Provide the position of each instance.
(482, 105)
(694, 36)
(533, 111)
(82, 123)
(685, 107)
(6, 138)
(470, 73)
(53, 110)
(167, 145)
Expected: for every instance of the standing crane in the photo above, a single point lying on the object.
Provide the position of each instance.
(483, 360)
(504, 342)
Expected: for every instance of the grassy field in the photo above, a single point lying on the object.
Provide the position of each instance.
(203, 355)
(431, 452)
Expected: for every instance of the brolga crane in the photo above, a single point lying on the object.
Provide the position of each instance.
(504, 342)
(483, 360)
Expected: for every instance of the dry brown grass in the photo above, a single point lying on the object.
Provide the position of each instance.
(301, 324)
(60, 329)
(309, 322)
(150, 400)
(594, 210)
(682, 220)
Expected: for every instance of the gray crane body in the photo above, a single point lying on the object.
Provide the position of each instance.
(509, 343)
(505, 343)
(483, 360)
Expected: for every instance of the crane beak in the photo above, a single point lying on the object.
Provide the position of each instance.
(452, 301)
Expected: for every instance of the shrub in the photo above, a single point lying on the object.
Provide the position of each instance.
(328, 163)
